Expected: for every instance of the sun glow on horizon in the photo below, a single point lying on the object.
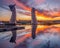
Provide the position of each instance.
(6, 15)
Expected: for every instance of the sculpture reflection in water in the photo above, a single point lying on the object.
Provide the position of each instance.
(34, 23)
(13, 21)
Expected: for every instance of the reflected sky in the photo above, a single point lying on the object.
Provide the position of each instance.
(44, 34)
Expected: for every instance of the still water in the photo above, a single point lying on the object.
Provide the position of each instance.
(46, 37)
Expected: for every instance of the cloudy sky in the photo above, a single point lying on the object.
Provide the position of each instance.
(49, 5)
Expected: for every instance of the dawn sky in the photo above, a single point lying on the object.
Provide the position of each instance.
(50, 5)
